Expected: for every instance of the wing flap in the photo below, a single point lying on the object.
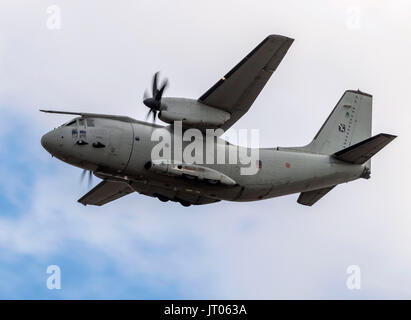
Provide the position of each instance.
(310, 197)
(237, 90)
(104, 192)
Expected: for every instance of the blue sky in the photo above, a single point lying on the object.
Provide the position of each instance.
(24, 274)
(139, 247)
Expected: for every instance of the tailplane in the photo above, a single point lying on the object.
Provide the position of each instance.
(361, 152)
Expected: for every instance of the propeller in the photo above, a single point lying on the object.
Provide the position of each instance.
(90, 176)
(154, 102)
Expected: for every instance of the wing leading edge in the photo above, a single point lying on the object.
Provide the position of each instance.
(237, 90)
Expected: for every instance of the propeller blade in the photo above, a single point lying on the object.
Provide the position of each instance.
(83, 174)
(154, 87)
(148, 113)
(90, 178)
(160, 92)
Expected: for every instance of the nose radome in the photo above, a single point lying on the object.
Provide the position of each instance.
(44, 141)
(48, 142)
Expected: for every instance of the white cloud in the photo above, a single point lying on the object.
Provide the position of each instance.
(270, 249)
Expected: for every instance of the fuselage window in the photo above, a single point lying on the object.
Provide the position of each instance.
(90, 122)
(259, 164)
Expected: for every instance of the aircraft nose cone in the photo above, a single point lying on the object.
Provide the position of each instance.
(44, 141)
(48, 141)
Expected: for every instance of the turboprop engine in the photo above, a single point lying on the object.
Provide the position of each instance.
(190, 112)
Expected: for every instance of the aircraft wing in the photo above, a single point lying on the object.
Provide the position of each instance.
(237, 90)
(310, 197)
(99, 115)
(104, 192)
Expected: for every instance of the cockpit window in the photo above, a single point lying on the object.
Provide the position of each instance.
(90, 122)
(71, 124)
(81, 122)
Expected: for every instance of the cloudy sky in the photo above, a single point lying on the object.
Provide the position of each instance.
(102, 59)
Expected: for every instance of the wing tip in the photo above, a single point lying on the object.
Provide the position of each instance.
(358, 91)
(279, 36)
(388, 136)
(84, 204)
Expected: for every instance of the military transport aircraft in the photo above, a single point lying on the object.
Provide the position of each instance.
(118, 149)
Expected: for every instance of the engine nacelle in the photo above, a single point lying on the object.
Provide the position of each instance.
(191, 113)
(189, 171)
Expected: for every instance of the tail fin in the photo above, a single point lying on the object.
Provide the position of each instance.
(348, 124)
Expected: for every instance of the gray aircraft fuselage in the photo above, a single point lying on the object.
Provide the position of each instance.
(119, 150)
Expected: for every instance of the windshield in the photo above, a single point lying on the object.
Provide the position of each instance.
(70, 124)
(81, 122)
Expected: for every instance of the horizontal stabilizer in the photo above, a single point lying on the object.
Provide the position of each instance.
(361, 152)
(310, 197)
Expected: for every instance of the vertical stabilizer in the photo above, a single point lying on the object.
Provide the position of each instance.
(348, 124)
